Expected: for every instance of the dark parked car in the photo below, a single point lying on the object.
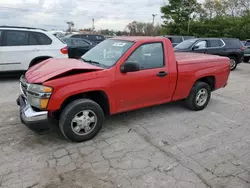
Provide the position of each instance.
(77, 47)
(247, 50)
(229, 47)
(177, 39)
(90, 37)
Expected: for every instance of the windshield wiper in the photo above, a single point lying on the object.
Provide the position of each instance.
(90, 61)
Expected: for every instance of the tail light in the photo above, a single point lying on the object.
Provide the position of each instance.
(64, 50)
(242, 48)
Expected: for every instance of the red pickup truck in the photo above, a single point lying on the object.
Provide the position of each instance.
(117, 75)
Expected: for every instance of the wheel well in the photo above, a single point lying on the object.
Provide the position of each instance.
(210, 80)
(33, 62)
(234, 55)
(99, 97)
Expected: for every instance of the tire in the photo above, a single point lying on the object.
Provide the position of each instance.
(77, 109)
(191, 101)
(233, 63)
(246, 59)
(36, 62)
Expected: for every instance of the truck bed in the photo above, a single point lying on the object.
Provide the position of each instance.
(183, 58)
(192, 66)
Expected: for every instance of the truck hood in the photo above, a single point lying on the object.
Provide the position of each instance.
(54, 68)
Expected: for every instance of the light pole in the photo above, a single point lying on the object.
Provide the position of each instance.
(154, 15)
(189, 17)
(188, 24)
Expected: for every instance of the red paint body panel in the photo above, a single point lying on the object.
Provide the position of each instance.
(193, 66)
(132, 90)
(53, 67)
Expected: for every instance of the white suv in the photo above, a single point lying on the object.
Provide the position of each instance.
(22, 47)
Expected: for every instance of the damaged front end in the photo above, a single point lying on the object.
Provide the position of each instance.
(34, 118)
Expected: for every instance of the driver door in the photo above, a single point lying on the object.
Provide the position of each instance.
(200, 46)
(145, 87)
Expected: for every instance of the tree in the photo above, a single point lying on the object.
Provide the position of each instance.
(70, 25)
(106, 32)
(121, 33)
(209, 8)
(245, 6)
(178, 13)
(220, 7)
(132, 28)
(144, 29)
(234, 7)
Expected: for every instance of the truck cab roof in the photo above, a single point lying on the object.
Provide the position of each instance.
(137, 38)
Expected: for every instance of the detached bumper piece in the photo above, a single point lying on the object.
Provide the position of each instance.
(35, 120)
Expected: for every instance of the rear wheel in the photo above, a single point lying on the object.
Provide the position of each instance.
(81, 120)
(199, 96)
(233, 63)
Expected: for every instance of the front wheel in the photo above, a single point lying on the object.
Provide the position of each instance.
(81, 120)
(199, 96)
(233, 63)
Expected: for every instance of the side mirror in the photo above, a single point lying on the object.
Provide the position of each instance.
(130, 66)
(195, 47)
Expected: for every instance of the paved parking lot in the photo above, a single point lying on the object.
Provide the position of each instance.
(166, 146)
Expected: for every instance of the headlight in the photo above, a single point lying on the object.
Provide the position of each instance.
(39, 88)
(38, 95)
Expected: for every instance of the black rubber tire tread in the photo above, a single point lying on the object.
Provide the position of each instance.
(36, 62)
(234, 58)
(191, 100)
(69, 112)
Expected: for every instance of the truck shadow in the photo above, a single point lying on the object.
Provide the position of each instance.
(139, 116)
(112, 124)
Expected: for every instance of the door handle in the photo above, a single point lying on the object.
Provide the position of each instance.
(162, 74)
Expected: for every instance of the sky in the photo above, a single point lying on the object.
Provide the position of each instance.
(53, 14)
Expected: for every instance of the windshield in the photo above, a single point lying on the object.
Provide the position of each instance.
(108, 52)
(186, 44)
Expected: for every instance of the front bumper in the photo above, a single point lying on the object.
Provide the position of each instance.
(35, 120)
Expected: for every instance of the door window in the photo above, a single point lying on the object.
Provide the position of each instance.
(247, 43)
(216, 43)
(176, 40)
(75, 41)
(148, 56)
(90, 37)
(32, 40)
(41, 38)
(67, 41)
(76, 36)
(201, 44)
(78, 42)
(99, 37)
(83, 43)
(16, 38)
